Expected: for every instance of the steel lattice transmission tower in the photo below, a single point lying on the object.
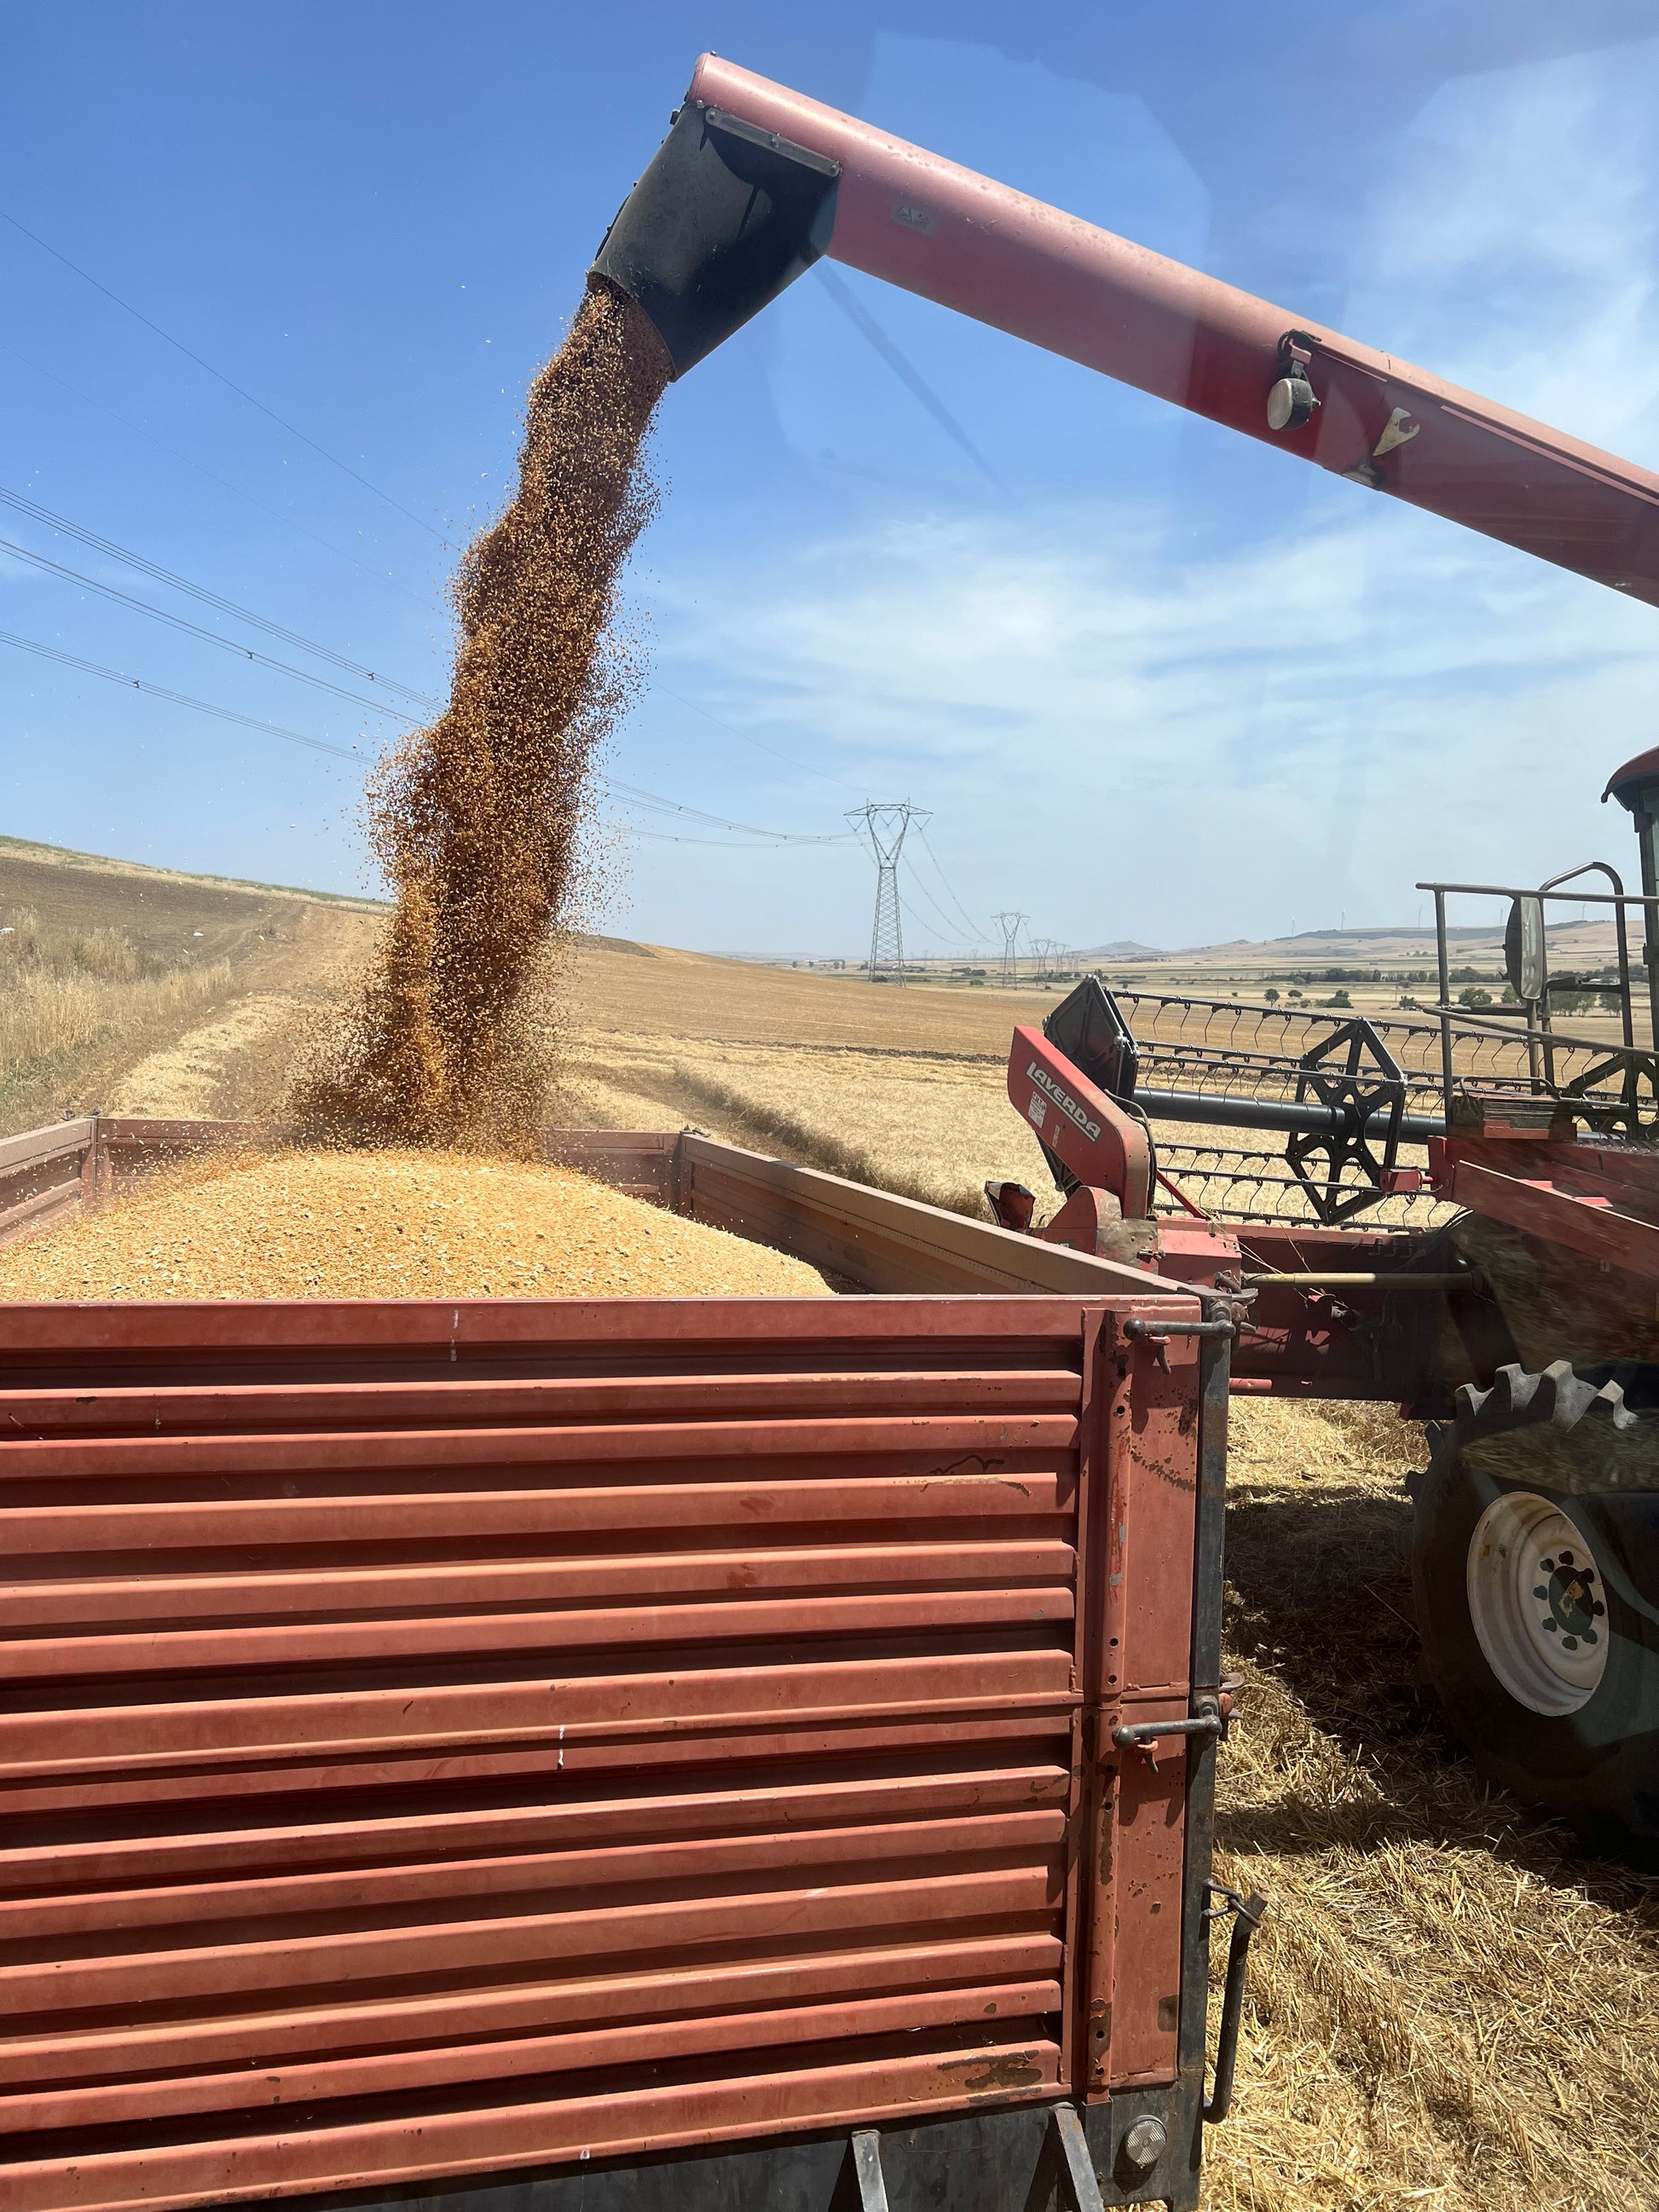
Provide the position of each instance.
(885, 826)
(1011, 926)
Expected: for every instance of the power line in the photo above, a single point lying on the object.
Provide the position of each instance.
(631, 794)
(921, 922)
(229, 383)
(952, 935)
(195, 630)
(342, 752)
(974, 929)
(714, 844)
(708, 715)
(224, 482)
(178, 698)
(147, 568)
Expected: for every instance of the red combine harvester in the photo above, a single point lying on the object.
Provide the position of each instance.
(539, 1756)
(1520, 1320)
(1537, 1566)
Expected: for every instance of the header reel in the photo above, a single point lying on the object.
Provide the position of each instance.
(1340, 1107)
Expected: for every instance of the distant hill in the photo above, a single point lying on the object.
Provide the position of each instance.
(157, 908)
(1388, 946)
(64, 856)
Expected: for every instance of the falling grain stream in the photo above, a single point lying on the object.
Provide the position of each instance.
(476, 822)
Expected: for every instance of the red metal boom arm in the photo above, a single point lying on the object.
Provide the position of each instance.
(866, 199)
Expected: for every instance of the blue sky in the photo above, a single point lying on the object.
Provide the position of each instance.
(1151, 679)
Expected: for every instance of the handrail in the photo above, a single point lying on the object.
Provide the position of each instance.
(1543, 1040)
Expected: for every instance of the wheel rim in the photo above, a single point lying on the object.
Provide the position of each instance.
(1535, 1599)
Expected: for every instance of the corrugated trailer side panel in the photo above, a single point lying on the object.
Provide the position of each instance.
(441, 1740)
(43, 1176)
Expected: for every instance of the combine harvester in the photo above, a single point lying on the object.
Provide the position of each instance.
(1537, 1558)
(589, 1756)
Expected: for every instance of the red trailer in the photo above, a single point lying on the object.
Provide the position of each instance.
(751, 1751)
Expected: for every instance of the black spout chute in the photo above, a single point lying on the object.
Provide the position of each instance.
(726, 217)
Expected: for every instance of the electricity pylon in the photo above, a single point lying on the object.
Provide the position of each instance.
(885, 825)
(1010, 925)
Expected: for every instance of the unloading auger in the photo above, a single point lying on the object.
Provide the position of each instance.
(754, 183)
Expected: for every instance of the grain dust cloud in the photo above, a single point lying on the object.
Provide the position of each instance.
(476, 822)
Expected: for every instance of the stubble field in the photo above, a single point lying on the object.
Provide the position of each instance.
(132, 990)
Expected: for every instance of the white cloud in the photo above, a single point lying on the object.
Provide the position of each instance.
(1173, 748)
(1515, 245)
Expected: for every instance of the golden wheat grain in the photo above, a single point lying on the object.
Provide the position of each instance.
(389, 1224)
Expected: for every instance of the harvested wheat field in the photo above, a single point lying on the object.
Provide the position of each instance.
(1450, 2005)
(390, 1225)
(135, 990)
(906, 1088)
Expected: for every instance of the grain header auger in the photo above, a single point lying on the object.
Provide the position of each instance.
(1505, 1290)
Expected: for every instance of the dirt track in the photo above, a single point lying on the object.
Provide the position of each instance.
(224, 1052)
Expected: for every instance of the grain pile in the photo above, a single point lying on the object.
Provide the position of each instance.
(390, 1225)
(476, 822)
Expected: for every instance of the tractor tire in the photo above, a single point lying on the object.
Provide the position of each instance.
(1535, 1565)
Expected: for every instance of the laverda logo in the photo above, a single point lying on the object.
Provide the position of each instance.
(1068, 1106)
